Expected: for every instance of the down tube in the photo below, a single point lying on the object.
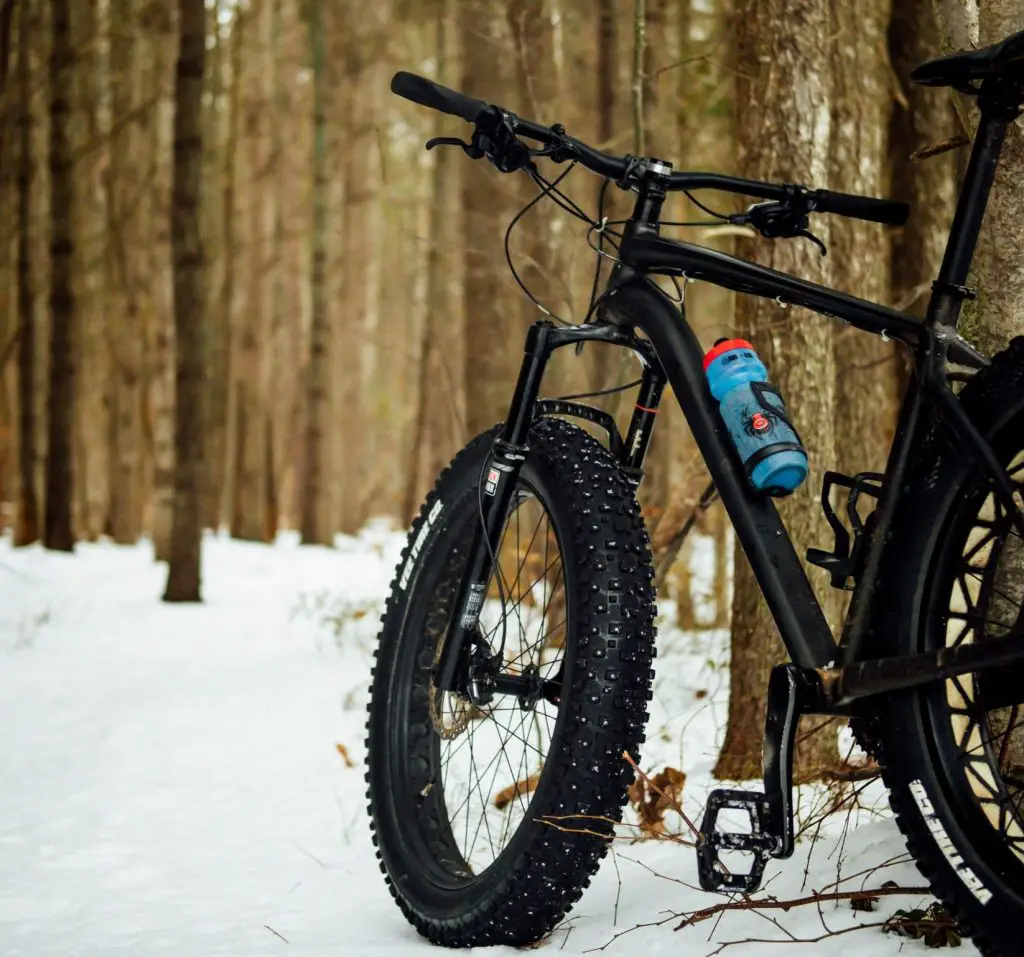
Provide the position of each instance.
(758, 527)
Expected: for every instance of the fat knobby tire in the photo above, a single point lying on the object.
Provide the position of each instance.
(965, 869)
(602, 712)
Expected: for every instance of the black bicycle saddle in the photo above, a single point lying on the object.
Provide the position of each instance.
(964, 71)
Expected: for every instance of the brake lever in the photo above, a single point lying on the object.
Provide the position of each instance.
(469, 149)
(807, 234)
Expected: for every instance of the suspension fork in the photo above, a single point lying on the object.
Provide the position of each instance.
(498, 482)
(500, 472)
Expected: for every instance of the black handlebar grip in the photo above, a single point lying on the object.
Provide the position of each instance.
(428, 93)
(883, 211)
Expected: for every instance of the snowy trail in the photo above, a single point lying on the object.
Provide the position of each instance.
(170, 782)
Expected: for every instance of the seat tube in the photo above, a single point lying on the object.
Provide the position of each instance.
(949, 290)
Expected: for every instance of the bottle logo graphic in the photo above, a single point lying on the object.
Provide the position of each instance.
(760, 423)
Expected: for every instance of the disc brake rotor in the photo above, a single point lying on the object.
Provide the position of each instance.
(459, 707)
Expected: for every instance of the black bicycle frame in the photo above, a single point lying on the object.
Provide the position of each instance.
(634, 302)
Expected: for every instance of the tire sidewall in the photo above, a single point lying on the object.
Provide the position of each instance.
(467, 903)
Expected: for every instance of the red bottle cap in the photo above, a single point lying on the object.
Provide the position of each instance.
(725, 345)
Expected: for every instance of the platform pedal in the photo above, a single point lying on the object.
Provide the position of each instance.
(714, 875)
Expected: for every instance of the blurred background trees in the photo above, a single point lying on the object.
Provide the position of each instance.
(351, 321)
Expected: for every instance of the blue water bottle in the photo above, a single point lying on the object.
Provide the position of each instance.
(772, 453)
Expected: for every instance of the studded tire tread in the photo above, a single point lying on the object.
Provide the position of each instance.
(612, 647)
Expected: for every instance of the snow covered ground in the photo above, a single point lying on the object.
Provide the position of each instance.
(170, 781)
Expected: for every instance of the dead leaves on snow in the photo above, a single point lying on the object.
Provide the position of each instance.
(651, 797)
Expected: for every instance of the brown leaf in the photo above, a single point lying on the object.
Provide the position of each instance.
(343, 751)
(651, 797)
(507, 795)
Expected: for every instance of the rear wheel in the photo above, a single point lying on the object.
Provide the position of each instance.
(953, 752)
(491, 812)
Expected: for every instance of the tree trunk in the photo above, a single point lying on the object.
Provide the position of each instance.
(316, 511)
(217, 118)
(921, 116)
(224, 467)
(868, 380)
(125, 274)
(57, 532)
(250, 486)
(158, 18)
(92, 401)
(441, 409)
(998, 313)
(489, 201)
(785, 56)
(26, 529)
(189, 304)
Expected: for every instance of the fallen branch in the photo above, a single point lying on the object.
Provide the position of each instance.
(795, 940)
(749, 903)
(935, 149)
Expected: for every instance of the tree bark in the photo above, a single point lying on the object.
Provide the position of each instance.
(867, 367)
(316, 512)
(92, 400)
(997, 314)
(921, 116)
(785, 57)
(441, 408)
(125, 273)
(249, 513)
(26, 529)
(158, 18)
(224, 467)
(57, 532)
(183, 579)
(489, 201)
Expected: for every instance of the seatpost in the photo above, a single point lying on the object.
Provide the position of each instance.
(998, 110)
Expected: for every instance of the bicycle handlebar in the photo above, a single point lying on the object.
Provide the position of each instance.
(884, 211)
(427, 93)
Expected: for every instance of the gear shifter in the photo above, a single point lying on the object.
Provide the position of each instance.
(787, 219)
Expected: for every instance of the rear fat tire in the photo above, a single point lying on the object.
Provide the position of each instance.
(956, 850)
(602, 712)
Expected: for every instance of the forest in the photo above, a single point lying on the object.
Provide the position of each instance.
(239, 300)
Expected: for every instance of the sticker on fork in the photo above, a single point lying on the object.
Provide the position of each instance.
(473, 604)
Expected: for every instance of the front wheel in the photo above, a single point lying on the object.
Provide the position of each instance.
(491, 813)
(953, 752)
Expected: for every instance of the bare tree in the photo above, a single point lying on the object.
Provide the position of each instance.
(57, 531)
(316, 512)
(867, 370)
(921, 117)
(189, 306)
(785, 58)
(992, 319)
(493, 316)
(441, 411)
(26, 528)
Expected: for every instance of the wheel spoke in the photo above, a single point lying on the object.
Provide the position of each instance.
(483, 767)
